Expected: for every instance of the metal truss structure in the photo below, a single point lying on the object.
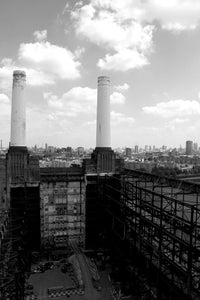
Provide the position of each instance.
(160, 219)
(12, 260)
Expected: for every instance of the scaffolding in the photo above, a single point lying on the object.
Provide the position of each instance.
(12, 260)
(159, 218)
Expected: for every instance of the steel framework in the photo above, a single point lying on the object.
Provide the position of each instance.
(160, 218)
(12, 260)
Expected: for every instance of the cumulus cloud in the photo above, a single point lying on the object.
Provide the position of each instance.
(76, 101)
(125, 28)
(123, 60)
(117, 98)
(50, 59)
(43, 62)
(122, 87)
(40, 35)
(34, 77)
(128, 42)
(174, 108)
(173, 15)
(4, 99)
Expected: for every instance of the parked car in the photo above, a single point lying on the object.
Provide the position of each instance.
(38, 269)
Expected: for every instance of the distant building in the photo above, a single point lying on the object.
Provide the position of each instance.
(195, 147)
(189, 146)
(69, 152)
(51, 149)
(136, 149)
(128, 152)
(164, 148)
(80, 150)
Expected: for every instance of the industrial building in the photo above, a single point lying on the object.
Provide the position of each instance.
(149, 224)
(62, 194)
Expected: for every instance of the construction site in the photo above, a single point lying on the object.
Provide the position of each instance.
(153, 228)
(141, 230)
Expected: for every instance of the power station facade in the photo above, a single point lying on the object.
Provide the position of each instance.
(150, 224)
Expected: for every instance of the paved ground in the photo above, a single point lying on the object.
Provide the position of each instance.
(90, 292)
(54, 277)
(50, 278)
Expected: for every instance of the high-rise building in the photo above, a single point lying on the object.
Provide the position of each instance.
(128, 152)
(136, 148)
(189, 147)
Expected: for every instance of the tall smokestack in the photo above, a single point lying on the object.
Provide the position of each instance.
(18, 114)
(103, 113)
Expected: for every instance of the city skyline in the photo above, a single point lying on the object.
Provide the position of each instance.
(148, 49)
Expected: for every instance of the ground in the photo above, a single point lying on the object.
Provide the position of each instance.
(52, 278)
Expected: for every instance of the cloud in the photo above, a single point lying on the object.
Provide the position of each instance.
(127, 41)
(125, 28)
(174, 108)
(38, 77)
(40, 35)
(78, 100)
(123, 60)
(173, 15)
(118, 118)
(50, 59)
(176, 123)
(122, 87)
(43, 62)
(117, 98)
(34, 77)
(5, 107)
(5, 112)
(6, 69)
(79, 52)
(179, 121)
(4, 99)
(176, 15)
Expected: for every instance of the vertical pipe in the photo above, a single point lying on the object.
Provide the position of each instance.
(103, 113)
(18, 114)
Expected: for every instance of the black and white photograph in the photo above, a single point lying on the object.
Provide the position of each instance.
(100, 149)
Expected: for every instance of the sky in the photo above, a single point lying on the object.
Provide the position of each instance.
(150, 49)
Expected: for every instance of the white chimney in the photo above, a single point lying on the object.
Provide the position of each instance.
(103, 113)
(18, 114)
